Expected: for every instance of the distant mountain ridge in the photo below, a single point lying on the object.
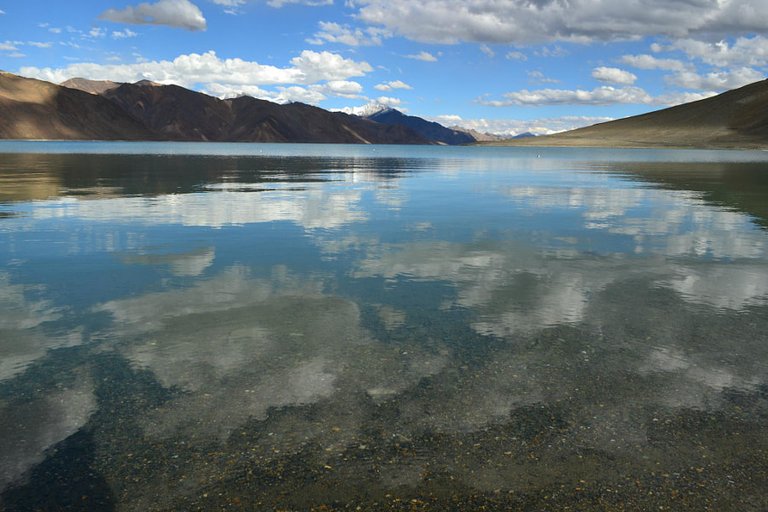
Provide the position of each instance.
(733, 119)
(430, 130)
(102, 110)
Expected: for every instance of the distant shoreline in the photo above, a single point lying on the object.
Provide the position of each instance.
(542, 142)
(552, 141)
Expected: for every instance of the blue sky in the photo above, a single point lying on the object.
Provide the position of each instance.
(503, 66)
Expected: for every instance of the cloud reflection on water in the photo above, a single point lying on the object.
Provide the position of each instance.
(603, 299)
(237, 346)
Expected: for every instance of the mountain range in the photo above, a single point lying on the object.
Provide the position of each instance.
(82, 109)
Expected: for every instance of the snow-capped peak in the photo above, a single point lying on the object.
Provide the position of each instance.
(366, 110)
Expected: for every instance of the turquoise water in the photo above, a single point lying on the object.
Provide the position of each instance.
(211, 326)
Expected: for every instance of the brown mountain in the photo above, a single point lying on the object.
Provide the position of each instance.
(91, 86)
(172, 112)
(87, 109)
(733, 119)
(33, 109)
(298, 122)
(176, 113)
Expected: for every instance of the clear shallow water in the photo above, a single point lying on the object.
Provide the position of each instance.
(212, 326)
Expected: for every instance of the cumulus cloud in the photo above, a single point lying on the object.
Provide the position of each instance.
(312, 94)
(423, 56)
(388, 101)
(173, 13)
(613, 76)
(650, 62)
(525, 22)
(744, 51)
(229, 77)
(716, 80)
(331, 32)
(343, 88)
(315, 66)
(396, 84)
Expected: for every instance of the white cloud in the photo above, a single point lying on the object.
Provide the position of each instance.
(716, 80)
(388, 101)
(553, 52)
(97, 32)
(312, 3)
(743, 51)
(208, 69)
(295, 93)
(613, 76)
(512, 127)
(316, 66)
(313, 94)
(487, 50)
(423, 56)
(38, 44)
(8, 46)
(234, 91)
(388, 86)
(123, 34)
(537, 76)
(231, 6)
(173, 13)
(515, 55)
(678, 98)
(651, 62)
(331, 32)
(604, 95)
(448, 119)
(343, 88)
(526, 22)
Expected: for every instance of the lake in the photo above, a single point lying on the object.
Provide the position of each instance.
(193, 326)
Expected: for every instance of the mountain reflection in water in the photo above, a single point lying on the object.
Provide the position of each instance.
(388, 328)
